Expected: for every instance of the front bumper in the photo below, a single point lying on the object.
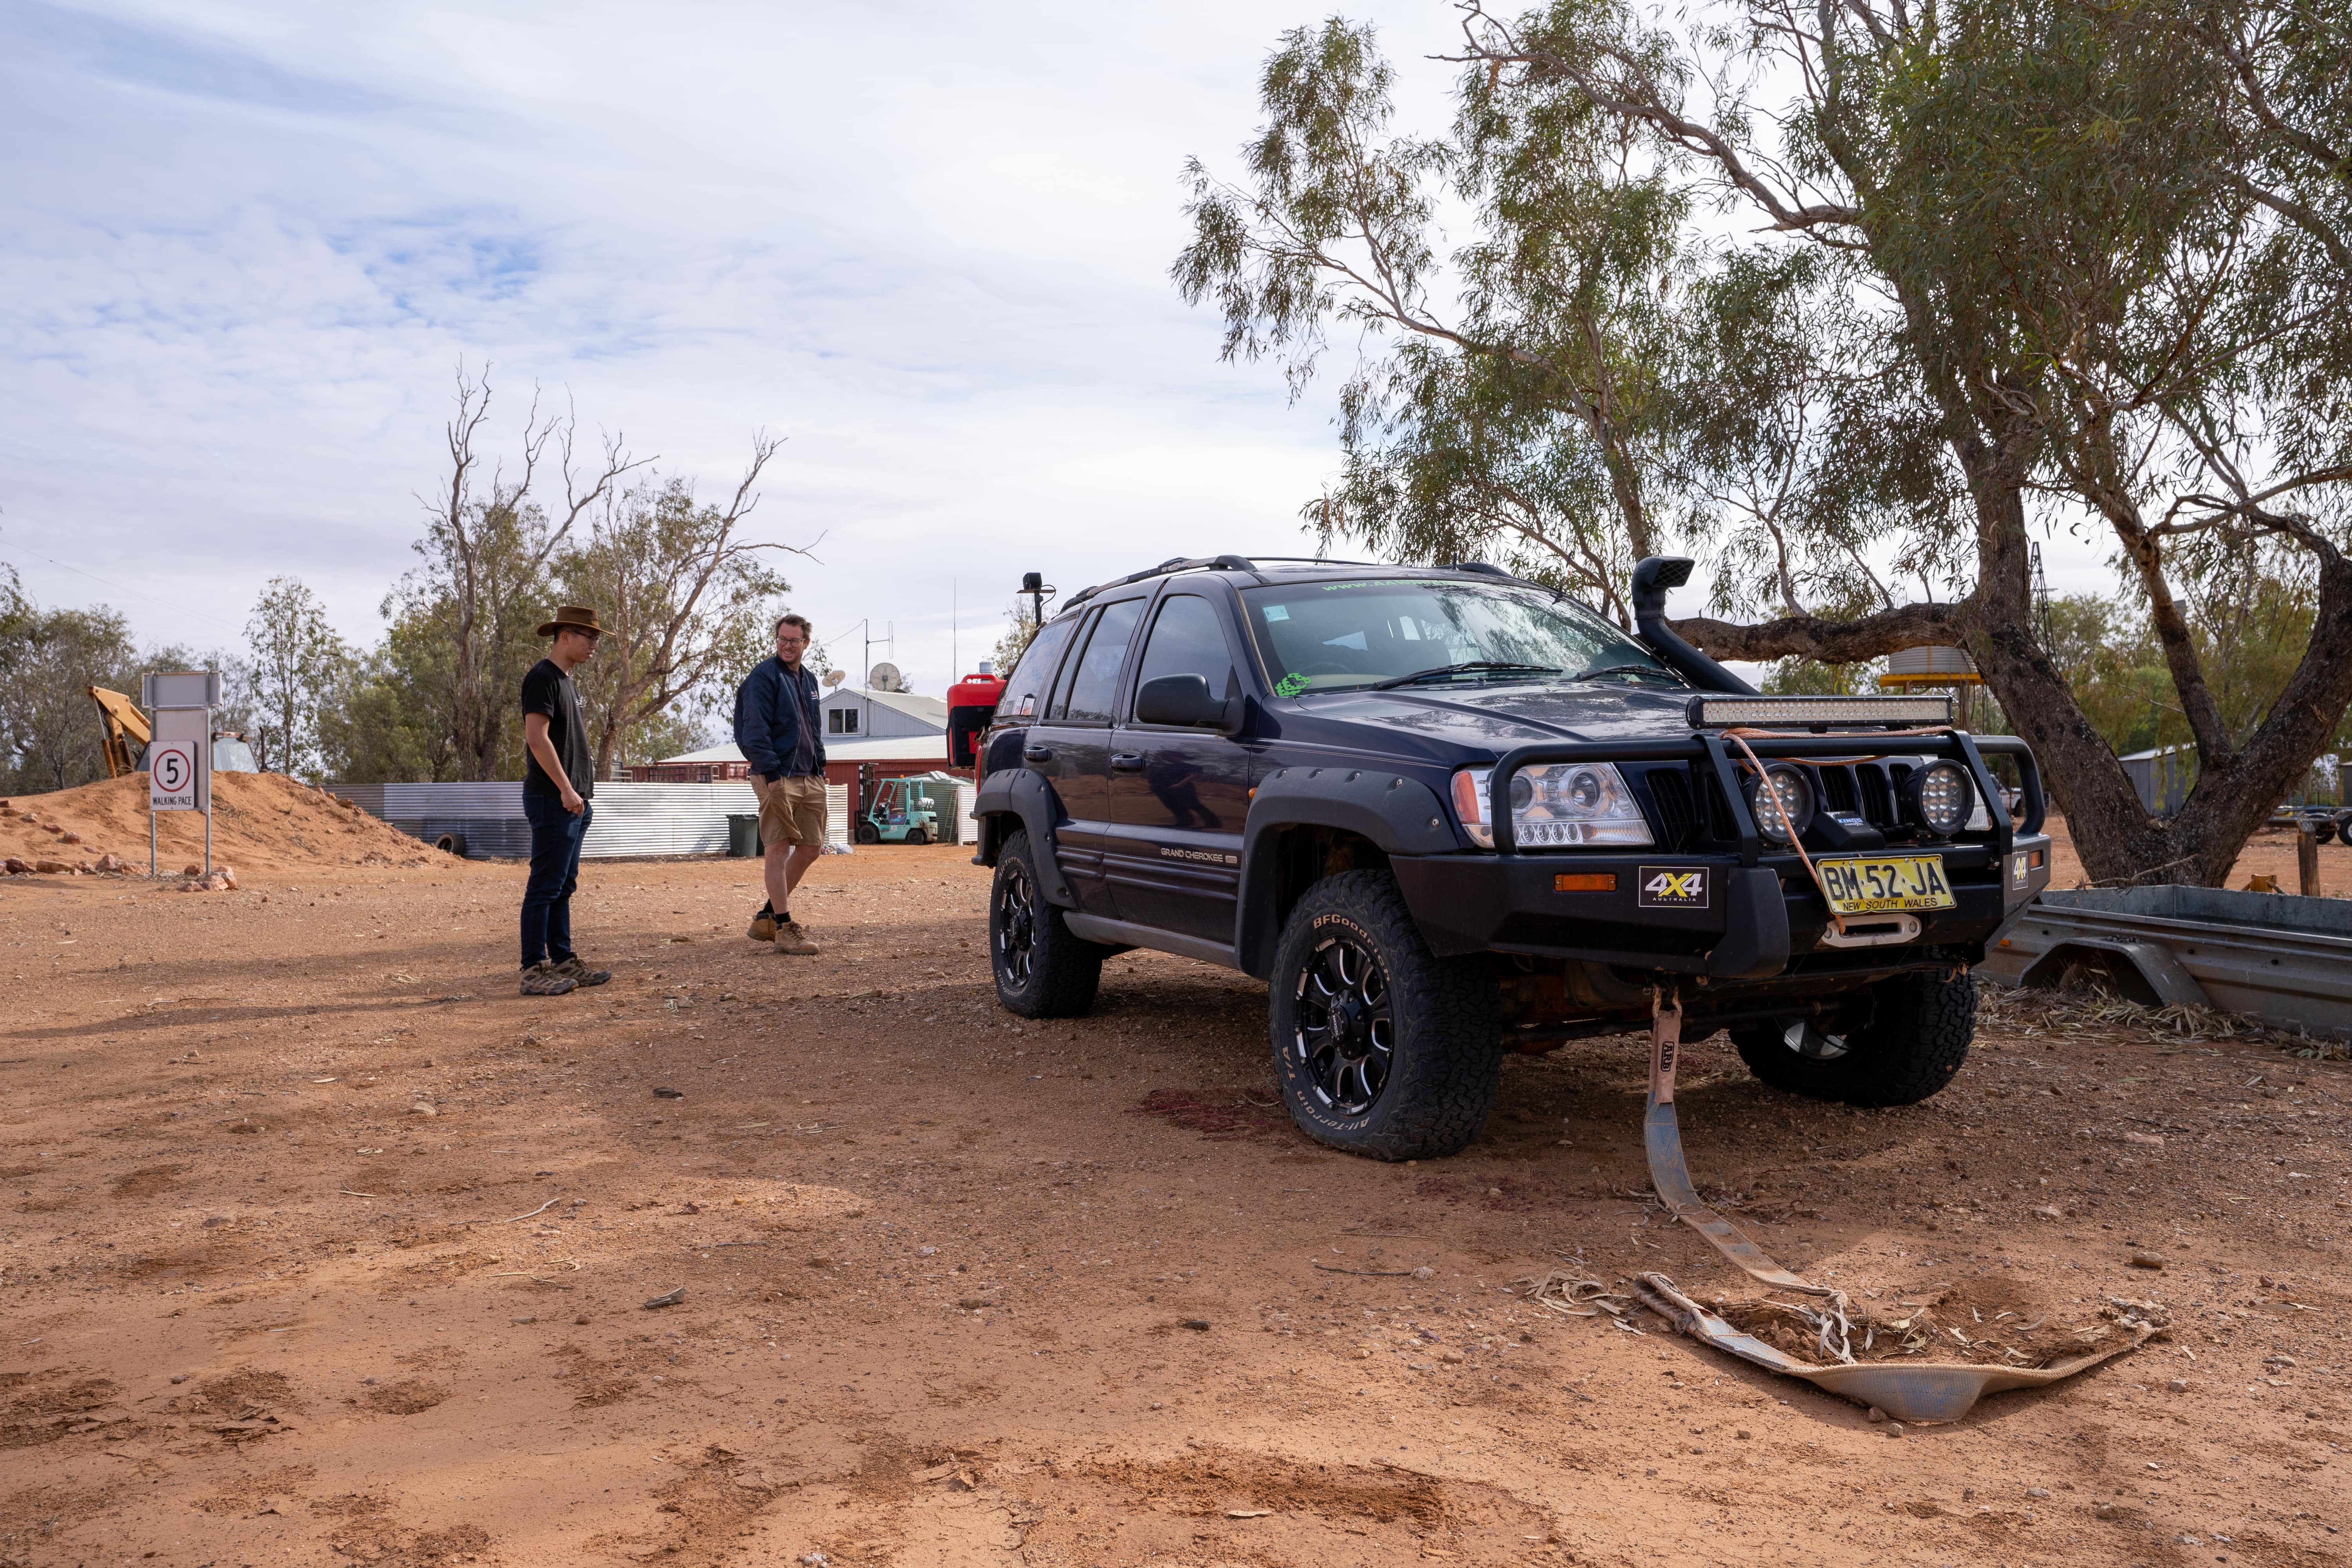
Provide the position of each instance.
(1749, 913)
(1734, 922)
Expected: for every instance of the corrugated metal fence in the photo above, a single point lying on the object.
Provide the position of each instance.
(630, 818)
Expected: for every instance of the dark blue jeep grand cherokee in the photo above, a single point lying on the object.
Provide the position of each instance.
(1447, 813)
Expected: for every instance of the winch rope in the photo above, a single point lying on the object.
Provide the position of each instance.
(1670, 1176)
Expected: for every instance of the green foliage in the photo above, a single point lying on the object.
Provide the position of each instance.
(50, 737)
(1999, 265)
(391, 722)
(50, 734)
(295, 666)
(1021, 628)
(1813, 677)
(687, 607)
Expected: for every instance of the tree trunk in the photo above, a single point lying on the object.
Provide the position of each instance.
(608, 746)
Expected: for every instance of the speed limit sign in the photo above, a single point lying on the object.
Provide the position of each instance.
(172, 776)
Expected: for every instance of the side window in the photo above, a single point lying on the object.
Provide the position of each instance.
(841, 721)
(1024, 694)
(1095, 685)
(1060, 705)
(1188, 639)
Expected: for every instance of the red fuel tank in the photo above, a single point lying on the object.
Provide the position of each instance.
(972, 701)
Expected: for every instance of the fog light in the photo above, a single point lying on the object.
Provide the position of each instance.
(1938, 797)
(1788, 786)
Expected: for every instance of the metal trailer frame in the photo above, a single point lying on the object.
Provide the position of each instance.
(2283, 959)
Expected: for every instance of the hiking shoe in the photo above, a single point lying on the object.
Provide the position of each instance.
(542, 979)
(578, 973)
(764, 927)
(793, 939)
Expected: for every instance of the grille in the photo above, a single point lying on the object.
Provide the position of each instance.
(1719, 821)
(1883, 792)
(1677, 815)
(1838, 789)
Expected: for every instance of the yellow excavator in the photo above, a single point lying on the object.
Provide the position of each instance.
(126, 736)
(126, 732)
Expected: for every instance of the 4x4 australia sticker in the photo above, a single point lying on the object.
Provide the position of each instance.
(1672, 888)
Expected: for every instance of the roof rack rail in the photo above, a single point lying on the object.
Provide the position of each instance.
(1173, 563)
(1321, 560)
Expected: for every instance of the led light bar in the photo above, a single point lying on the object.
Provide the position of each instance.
(1805, 713)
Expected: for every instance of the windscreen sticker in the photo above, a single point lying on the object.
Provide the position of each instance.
(1277, 612)
(1672, 888)
(1290, 685)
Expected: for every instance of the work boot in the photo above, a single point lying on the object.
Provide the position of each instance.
(542, 979)
(578, 973)
(763, 926)
(792, 938)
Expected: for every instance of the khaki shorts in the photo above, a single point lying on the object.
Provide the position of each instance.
(792, 811)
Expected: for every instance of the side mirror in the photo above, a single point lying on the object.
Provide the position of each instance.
(1184, 700)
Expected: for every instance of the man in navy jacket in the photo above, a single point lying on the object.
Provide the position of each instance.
(778, 731)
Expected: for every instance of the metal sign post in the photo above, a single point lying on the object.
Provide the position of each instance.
(180, 758)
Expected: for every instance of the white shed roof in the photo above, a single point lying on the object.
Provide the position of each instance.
(929, 709)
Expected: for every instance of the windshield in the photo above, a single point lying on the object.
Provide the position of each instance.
(1324, 636)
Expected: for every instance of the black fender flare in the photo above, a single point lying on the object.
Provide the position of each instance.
(1400, 815)
(1023, 794)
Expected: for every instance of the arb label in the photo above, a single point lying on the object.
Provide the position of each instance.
(1672, 888)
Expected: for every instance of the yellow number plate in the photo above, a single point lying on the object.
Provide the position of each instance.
(1887, 882)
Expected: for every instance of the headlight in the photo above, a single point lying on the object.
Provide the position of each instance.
(1554, 805)
(1938, 797)
(1788, 787)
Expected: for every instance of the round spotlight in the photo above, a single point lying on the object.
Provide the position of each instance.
(1938, 797)
(1790, 787)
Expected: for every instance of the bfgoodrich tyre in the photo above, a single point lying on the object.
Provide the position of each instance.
(1382, 1047)
(1916, 1041)
(1043, 971)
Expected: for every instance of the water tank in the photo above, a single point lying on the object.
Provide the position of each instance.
(1931, 667)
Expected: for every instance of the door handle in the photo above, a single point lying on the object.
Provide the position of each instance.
(1036, 754)
(1127, 762)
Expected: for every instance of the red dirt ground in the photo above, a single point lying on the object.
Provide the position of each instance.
(322, 1246)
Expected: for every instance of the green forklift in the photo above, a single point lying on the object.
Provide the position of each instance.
(896, 811)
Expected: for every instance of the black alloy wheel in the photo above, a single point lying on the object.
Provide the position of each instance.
(1342, 1034)
(1013, 925)
(1380, 1047)
(1043, 969)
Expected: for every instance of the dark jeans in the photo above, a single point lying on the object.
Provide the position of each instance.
(555, 836)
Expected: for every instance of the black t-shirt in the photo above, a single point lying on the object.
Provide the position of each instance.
(546, 689)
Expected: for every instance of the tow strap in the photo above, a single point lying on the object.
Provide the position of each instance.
(1907, 1390)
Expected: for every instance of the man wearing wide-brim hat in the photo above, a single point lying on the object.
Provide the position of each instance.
(558, 778)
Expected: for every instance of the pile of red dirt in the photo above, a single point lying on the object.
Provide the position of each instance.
(260, 822)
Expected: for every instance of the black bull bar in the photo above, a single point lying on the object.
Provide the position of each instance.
(1709, 747)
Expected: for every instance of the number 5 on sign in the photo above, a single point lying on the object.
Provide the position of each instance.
(172, 776)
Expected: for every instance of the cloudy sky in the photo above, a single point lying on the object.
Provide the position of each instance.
(247, 246)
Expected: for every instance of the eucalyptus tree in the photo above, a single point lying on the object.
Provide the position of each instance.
(490, 530)
(293, 669)
(684, 600)
(2007, 264)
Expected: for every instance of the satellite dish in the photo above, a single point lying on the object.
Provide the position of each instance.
(884, 677)
(834, 677)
